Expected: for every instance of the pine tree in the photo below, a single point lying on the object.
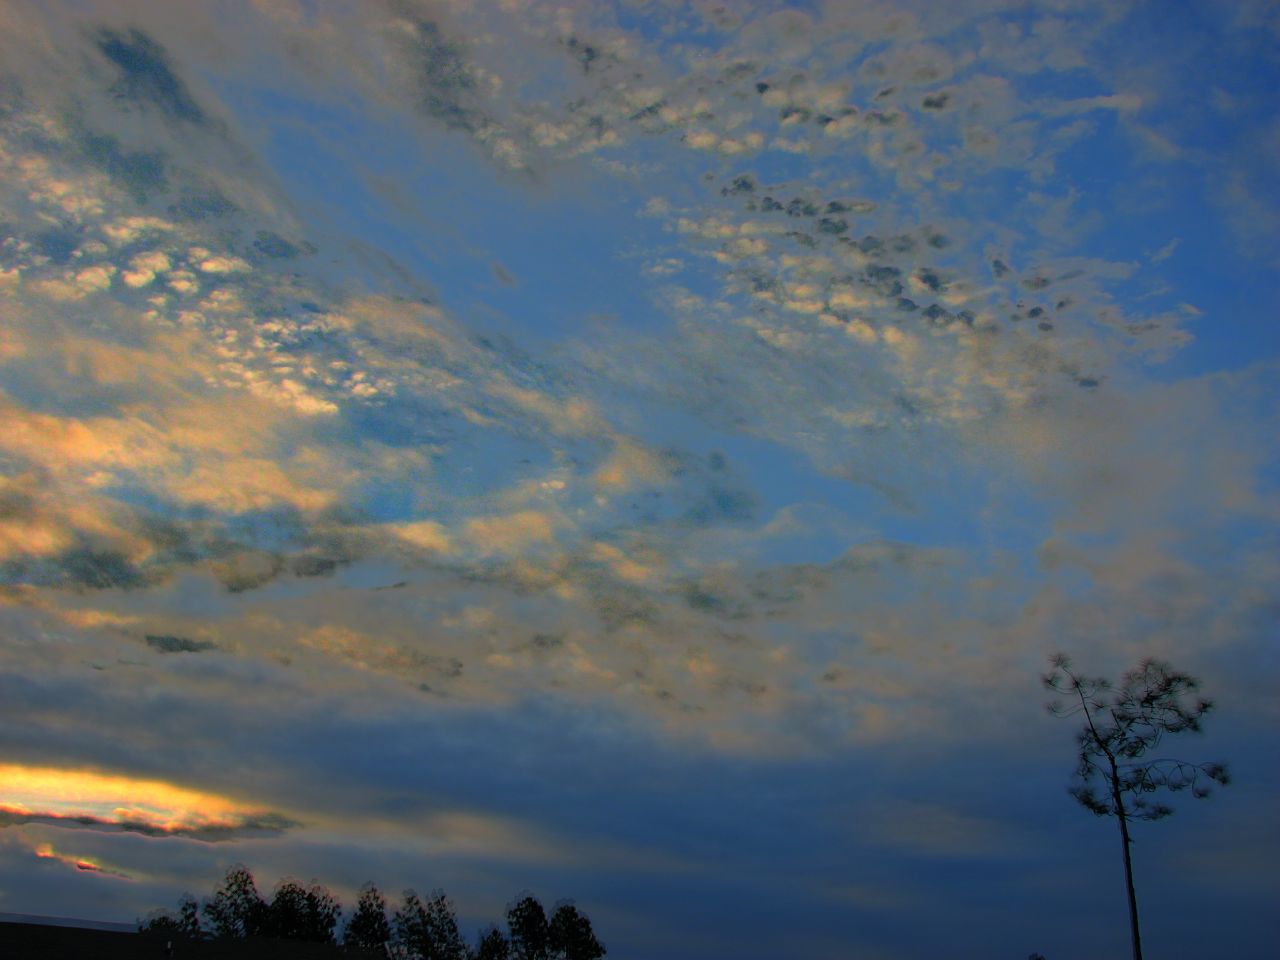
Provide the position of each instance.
(492, 945)
(1114, 775)
(527, 923)
(368, 926)
(570, 937)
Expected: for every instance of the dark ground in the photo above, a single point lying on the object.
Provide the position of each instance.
(20, 941)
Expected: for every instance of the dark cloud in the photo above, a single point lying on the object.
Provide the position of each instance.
(938, 316)
(313, 566)
(545, 642)
(502, 274)
(100, 569)
(884, 279)
(140, 173)
(145, 75)
(619, 607)
(168, 643)
(445, 78)
(79, 567)
(800, 207)
(267, 824)
(58, 244)
(274, 247)
(202, 204)
(708, 596)
(931, 279)
(584, 53)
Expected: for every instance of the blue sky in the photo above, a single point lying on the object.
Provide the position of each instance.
(637, 452)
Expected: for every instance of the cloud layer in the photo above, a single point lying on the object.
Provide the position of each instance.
(612, 448)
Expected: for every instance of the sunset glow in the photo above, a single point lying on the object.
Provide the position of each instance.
(45, 851)
(46, 792)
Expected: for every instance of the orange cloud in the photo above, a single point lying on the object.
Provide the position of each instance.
(45, 851)
(89, 798)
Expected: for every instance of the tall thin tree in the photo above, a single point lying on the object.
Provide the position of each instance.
(1114, 775)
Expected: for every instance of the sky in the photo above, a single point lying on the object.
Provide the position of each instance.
(642, 453)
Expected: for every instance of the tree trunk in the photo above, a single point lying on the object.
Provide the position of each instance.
(1134, 933)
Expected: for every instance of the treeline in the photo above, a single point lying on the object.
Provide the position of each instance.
(418, 929)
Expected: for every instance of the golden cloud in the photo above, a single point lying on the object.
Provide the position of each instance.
(90, 798)
(46, 851)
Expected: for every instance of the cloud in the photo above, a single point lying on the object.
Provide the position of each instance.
(146, 76)
(92, 800)
(837, 389)
(936, 832)
(46, 851)
(166, 643)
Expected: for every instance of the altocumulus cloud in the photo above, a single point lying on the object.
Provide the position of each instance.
(859, 356)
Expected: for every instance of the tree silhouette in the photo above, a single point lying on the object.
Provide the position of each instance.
(443, 924)
(296, 913)
(368, 926)
(189, 918)
(492, 945)
(1114, 775)
(570, 937)
(429, 930)
(418, 930)
(527, 923)
(410, 921)
(186, 924)
(236, 910)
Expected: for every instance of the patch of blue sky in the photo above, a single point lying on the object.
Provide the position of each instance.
(404, 419)
(941, 500)
(393, 501)
(28, 385)
(280, 529)
(483, 465)
(311, 146)
(467, 226)
(567, 254)
(1205, 268)
(657, 30)
(775, 166)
